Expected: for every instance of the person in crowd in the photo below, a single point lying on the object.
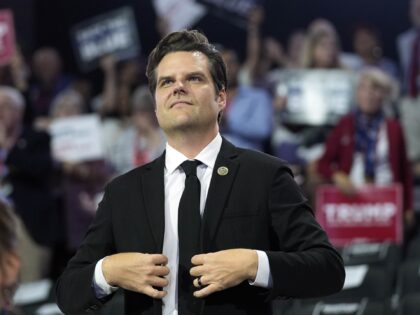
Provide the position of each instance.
(142, 140)
(9, 257)
(408, 44)
(16, 73)
(120, 80)
(322, 49)
(25, 170)
(295, 46)
(48, 81)
(322, 26)
(366, 147)
(81, 183)
(207, 227)
(369, 51)
(262, 54)
(300, 143)
(247, 119)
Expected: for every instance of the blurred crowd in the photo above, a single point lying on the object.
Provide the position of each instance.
(376, 142)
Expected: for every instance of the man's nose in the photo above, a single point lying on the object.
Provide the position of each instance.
(179, 88)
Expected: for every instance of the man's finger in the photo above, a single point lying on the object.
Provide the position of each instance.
(199, 282)
(160, 270)
(158, 282)
(158, 259)
(196, 271)
(154, 293)
(205, 291)
(198, 259)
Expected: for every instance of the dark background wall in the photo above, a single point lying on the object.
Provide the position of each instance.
(46, 22)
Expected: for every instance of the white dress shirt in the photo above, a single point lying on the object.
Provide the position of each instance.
(174, 179)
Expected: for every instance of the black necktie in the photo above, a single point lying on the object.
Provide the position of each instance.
(189, 225)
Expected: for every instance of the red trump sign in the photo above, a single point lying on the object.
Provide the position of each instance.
(7, 36)
(373, 214)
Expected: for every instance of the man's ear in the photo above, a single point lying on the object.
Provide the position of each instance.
(222, 99)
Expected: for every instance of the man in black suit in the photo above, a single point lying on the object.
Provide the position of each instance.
(255, 238)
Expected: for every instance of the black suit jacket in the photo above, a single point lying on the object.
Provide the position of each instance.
(256, 205)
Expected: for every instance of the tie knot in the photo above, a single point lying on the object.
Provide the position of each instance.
(190, 167)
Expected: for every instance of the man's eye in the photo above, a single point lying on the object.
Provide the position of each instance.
(165, 82)
(194, 78)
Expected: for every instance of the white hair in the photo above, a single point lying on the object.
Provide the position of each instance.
(382, 79)
(17, 99)
(68, 97)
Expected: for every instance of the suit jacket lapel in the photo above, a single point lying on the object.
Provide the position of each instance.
(154, 198)
(218, 193)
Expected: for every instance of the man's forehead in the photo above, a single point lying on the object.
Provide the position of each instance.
(183, 61)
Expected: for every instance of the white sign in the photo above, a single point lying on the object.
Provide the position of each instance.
(179, 14)
(32, 292)
(77, 139)
(315, 97)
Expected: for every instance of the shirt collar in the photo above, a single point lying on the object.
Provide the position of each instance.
(207, 156)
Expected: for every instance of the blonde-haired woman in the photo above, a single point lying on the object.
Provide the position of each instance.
(322, 46)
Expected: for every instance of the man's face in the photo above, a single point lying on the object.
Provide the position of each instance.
(185, 93)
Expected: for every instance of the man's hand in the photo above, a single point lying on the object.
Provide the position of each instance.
(224, 269)
(344, 184)
(137, 272)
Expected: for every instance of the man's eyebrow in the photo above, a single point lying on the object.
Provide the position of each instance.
(200, 73)
(167, 77)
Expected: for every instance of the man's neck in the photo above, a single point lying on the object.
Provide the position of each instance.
(191, 144)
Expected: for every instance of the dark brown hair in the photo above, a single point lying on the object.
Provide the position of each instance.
(187, 40)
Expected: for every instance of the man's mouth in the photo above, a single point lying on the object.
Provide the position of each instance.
(180, 103)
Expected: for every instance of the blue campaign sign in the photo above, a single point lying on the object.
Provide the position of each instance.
(111, 33)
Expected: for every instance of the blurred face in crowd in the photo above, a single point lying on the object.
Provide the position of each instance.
(366, 44)
(296, 45)
(67, 104)
(185, 93)
(370, 95)
(325, 52)
(10, 113)
(232, 67)
(415, 12)
(46, 65)
(67, 109)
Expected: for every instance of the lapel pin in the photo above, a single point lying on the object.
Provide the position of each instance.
(222, 170)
